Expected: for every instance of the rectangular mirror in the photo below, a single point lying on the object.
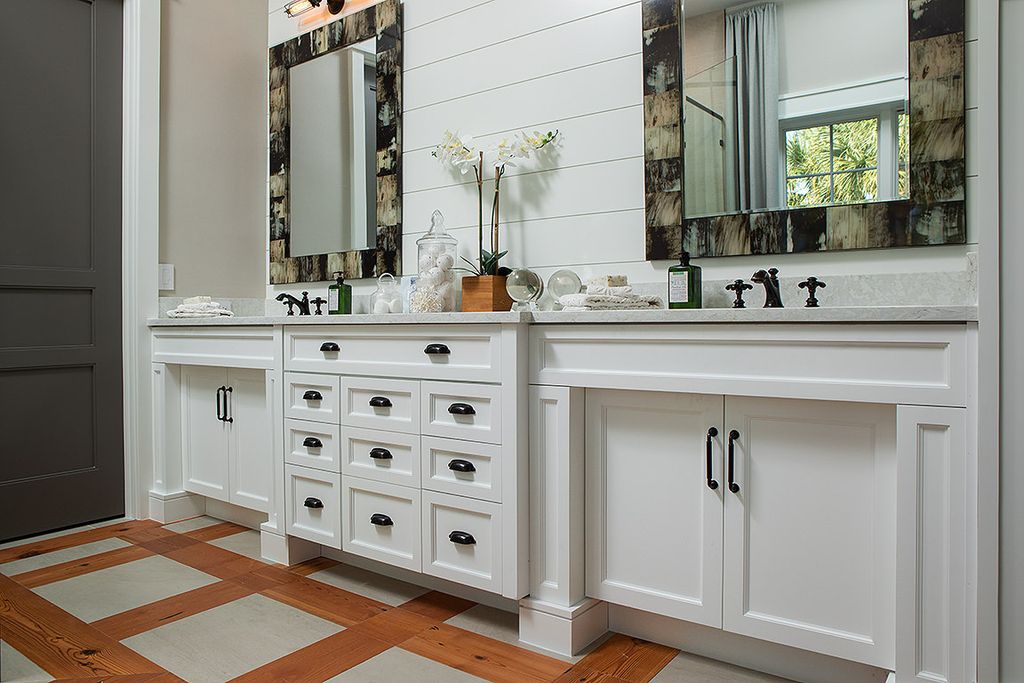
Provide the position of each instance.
(803, 125)
(335, 133)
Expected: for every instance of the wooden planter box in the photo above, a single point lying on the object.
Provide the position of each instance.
(485, 293)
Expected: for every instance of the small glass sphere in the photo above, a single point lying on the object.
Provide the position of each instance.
(564, 282)
(523, 286)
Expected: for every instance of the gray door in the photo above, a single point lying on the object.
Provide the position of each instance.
(61, 454)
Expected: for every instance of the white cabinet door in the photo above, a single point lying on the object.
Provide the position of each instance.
(654, 523)
(204, 436)
(249, 454)
(810, 541)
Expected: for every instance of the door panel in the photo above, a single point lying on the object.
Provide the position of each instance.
(810, 535)
(204, 437)
(250, 456)
(654, 526)
(60, 348)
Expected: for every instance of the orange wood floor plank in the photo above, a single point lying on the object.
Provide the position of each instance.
(215, 531)
(626, 658)
(484, 657)
(264, 578)
(86, 565)
(33, 548)
(155, 614)
(64, 646)
(326, 601)
(218, 562)
(313, 566)
(395, 626)
(320, 661)
(437, 605)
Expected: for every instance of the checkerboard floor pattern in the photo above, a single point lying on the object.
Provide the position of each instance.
(137, 601)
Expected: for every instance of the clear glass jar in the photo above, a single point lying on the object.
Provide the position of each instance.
(388, 296)
(436, 254)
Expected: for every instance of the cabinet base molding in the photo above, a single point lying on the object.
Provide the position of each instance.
(174, 507)
(750, 653)
(563, 630)
(286, 550)
(252, 519)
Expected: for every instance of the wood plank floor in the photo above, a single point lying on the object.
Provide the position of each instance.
(181, 614)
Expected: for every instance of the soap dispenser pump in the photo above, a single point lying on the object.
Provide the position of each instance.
(339, 296)
(684, 284)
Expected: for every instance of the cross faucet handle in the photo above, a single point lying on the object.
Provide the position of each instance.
(318, 302)
(812, 285)
(739, 286)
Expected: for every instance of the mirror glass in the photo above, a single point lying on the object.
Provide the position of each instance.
(794, 103)
(333, 162)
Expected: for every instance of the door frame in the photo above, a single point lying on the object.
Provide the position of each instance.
(140, 240)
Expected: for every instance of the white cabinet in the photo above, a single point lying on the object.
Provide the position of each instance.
(227, 435)
(790, 539)
(654, 526)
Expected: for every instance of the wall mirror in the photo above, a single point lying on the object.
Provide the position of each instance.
(803, 125)
(335, 149)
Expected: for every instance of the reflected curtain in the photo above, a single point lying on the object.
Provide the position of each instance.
(751, 38)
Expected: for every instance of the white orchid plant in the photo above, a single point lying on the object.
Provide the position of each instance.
(457, 153)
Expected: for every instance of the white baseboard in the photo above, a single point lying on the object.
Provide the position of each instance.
(286, 550)
(232, 513)
(174, 507)
(760, 655)
(565, 631)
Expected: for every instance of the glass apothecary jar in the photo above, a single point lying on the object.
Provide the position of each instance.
(436, 253)
(388, 296)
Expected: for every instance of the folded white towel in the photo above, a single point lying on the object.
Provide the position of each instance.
(608, 302)
(625, 290)
(199, 307)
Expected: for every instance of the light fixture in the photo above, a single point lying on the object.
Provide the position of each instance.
(297, 7)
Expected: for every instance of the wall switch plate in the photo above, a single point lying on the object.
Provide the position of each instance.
(165, 275)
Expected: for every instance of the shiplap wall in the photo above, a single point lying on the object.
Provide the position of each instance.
(488, 68)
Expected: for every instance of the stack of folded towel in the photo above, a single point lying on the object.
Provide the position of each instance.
(199, 307)
(610, 293)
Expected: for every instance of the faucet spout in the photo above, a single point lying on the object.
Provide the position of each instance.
(770, 279)
(291, 302)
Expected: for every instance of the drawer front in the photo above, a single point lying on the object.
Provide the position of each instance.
(382, 522)
(391, 404)
(381, 456)
(463, 540)
(312, 444)
(462, 411)
(454, 352)
(313, 505)
(312, 397)
(463, 468)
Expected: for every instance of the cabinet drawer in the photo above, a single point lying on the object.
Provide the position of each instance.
(382, 456)
(313, 505)
(462, 540)
(391, 404)
(463, 468)
(381, 522)
(462, 411)
(312, 397)
(312, 444)
(455, 352)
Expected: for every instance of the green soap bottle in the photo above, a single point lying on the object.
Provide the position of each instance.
(684, 287)
(339, 296)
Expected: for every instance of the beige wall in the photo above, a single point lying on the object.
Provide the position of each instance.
(213, 77)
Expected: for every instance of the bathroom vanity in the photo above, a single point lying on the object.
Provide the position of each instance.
(785, 489)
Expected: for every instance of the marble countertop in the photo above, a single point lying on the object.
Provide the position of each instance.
(846, 314)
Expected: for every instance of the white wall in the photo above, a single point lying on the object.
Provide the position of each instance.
(491, 67)
(213, 75)
(1011, 472)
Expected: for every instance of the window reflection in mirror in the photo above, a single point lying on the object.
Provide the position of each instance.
(794, 103)
(333, 191)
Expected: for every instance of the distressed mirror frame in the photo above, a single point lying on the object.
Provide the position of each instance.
(934, 214)
(383, 21)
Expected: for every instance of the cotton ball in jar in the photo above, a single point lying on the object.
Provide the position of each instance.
(381, 307)
(446, 290)
(435, 250)
(427, 262)
(425, 279)
(395, 306)
(445, 262)
(436, 275)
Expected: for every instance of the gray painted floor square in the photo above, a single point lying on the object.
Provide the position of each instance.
(59, 556)
(227, 641)
(369, 585)
(15, 666)
(687, 668)
(245, 543)
(398, 665)
(499, 625)
(113, 590)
